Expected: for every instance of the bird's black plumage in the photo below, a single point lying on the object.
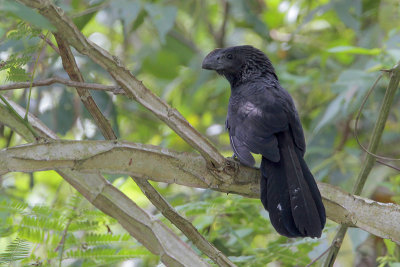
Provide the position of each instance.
(262, 119)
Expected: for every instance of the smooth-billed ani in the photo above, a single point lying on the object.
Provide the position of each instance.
(262, 119)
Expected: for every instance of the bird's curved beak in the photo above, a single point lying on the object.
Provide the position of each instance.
(211, 61)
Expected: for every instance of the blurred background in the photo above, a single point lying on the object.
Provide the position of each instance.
(327, 54)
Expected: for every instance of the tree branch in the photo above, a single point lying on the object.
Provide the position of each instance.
(149, 231)
(49, 42)
(70, 66)
(220, 35)
(188, 169)
(133, 87)
(92, 86)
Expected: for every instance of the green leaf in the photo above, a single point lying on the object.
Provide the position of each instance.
(26, 14)
(163, 18)
(240, 259)
(18, 74)
(65, 122)
(348, 12)
(126, 10)
(355, 50)
(331, 112)
(390, 245)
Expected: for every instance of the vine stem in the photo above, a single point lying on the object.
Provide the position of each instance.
(370, 158)
(33, 73)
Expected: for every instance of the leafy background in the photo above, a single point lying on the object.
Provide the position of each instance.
(327, 55)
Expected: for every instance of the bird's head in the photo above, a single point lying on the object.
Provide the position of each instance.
(223, 60)
(239, 63)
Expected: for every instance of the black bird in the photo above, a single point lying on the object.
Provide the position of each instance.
(262, 119)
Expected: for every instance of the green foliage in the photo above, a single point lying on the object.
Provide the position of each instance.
(73, 231)
(17, 61)
(327, 54)
(17, 250)
(392, 257)
(236, 226)
(25, 13)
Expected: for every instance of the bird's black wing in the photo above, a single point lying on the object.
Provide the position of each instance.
(257, 116)
(293, 119)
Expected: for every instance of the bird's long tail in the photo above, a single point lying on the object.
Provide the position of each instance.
(290, 193)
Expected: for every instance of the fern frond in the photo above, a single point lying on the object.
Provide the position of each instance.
(34, 235)
(17, 74)
(17, 250)
(22, 31)
(42, 223)
(83, 225)
(45, 212)
(97, 215)
(92, 238)
(13, 207)
(7, 230)
(105, 253)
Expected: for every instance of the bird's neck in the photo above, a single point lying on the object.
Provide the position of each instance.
(233, 79)
(249, 74)
(238, 81)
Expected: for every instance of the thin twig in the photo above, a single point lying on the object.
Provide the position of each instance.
(357, 120)
(92, 86)
(388, 165)
(16, 114)
(64, 237)
(49, 42)
(91, 10)
(41, 48)
(220, 35)
(370, 158)
(345, 134)
(181, 38)
(319, 257)
(61, 243)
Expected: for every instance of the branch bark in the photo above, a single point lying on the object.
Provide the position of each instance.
(190, 170)
(133, 87)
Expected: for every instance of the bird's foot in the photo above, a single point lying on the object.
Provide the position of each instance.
(234, 157)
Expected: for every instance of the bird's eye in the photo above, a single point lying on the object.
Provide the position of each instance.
(229, 56)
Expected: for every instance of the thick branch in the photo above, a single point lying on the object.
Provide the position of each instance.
(70, 66)
(92, 86)
(133, 87)
(152, 233)
(188, 169)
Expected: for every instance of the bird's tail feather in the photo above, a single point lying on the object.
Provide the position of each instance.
(290, 193)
